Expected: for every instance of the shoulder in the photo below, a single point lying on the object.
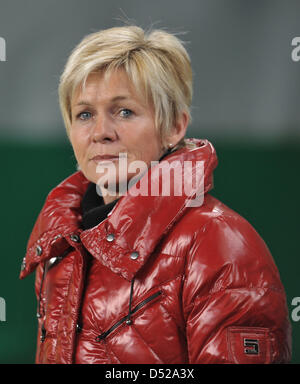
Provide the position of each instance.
(225, 245)
(76, 183)
(61, 207)
(214, 220)
(213, 212)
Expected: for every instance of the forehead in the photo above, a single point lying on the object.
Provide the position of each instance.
(102, 86)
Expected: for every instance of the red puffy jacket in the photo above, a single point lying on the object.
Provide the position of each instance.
(168, 282)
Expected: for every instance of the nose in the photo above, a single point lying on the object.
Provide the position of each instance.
(103, 130)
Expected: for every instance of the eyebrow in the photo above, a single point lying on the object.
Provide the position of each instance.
(114, 99)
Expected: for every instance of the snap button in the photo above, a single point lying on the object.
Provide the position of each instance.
(75, 238)
(134, 255)
(39, 250)
(110, 237)
(128, 322)
(78, 328)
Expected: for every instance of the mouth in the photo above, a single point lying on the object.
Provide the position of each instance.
(104, 158)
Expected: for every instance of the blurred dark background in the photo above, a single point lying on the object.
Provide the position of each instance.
(246, 102)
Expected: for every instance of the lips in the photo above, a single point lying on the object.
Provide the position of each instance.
(104, 157)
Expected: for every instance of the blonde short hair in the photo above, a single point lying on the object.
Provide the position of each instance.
(156, 62)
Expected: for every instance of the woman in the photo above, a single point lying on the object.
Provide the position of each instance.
(129, 267)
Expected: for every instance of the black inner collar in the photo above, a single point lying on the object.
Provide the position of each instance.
(93, 208)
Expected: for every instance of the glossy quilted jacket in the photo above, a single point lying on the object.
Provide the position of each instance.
(167, 282)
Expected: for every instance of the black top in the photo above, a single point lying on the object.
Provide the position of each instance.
(93, 208)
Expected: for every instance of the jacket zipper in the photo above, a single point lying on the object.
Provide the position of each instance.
(135, 309)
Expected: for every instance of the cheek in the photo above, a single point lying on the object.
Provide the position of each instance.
(150, 149)
(79, 145)
(145, 146)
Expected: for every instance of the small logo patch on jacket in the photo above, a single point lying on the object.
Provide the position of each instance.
(249, 345)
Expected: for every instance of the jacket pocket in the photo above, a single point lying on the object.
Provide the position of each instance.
(125, 318)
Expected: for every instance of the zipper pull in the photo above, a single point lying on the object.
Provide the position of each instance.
(129, 321)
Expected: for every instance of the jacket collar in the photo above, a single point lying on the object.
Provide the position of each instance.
(125, 240)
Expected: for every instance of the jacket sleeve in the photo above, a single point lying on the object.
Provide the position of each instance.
(233, 300)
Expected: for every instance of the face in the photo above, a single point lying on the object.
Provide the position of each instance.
(109, 118)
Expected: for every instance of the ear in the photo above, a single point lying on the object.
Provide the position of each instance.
(179, 129)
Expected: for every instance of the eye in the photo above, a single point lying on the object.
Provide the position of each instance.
(84, 115)
(125, 113)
